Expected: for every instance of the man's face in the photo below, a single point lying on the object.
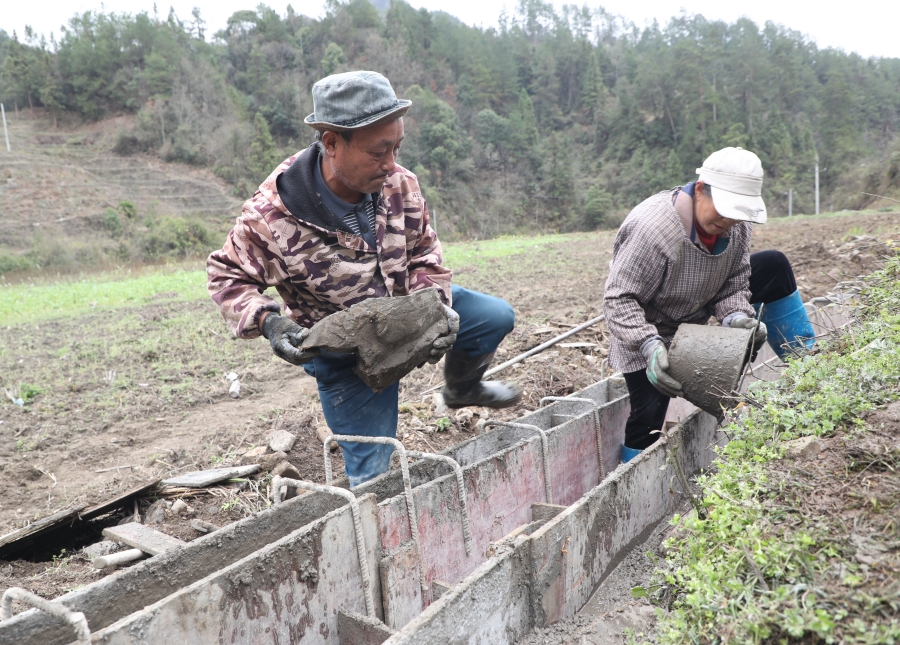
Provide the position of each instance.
(363, 164)
(706, 214)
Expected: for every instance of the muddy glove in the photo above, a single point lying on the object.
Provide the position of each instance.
(657, 356)
(759, 336)
(285, 336)
(443, 344)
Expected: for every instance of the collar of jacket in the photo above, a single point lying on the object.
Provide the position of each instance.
(297, 191)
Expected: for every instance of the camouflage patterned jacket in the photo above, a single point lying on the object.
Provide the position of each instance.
(314, 261)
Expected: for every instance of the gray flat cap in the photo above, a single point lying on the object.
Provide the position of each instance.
(354, 100)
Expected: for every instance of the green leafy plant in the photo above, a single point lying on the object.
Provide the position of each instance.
(759, 568)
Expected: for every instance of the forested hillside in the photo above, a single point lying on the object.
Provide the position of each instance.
(556, 120)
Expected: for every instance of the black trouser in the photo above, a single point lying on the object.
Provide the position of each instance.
(771, 279)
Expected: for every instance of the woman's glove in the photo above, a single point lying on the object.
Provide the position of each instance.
(657, 356)
(759, 336)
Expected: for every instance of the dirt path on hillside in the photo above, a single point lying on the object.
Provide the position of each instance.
(128, 397)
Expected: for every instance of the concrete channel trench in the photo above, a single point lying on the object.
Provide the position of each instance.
(549, 512)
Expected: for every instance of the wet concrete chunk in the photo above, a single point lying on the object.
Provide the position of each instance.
(390, 336)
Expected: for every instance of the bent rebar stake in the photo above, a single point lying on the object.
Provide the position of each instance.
(460, 485)
(407, 486)
(75, 618)
(545, 450)
(596, 424)
(279, 482)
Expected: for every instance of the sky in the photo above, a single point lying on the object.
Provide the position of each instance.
(867, 27)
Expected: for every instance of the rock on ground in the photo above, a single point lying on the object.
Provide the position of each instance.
(282, 441)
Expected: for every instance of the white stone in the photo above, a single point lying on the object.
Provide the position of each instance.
(282, 441)
(439, 406)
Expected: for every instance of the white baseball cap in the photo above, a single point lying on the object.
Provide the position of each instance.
(736, 178)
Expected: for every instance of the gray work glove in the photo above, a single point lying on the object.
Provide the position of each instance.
(657, 357)
(759, 336)
(443, 344)
(285, 336)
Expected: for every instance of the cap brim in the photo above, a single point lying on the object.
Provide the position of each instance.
(747, 208)
(390, 114)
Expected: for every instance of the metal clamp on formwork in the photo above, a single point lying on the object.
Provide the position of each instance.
(460, 484)
(407, 485)
(279, 482)
(545, 450)
(596, 409)
(75, 618)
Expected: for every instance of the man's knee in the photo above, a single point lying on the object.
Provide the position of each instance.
(505, 316)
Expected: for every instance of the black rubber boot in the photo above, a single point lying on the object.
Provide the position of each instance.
(464, 387)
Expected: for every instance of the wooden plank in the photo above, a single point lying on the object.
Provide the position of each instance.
(117, 502)
(140, 537)
(203, 478)
(357, 629)
(438, 589)
(400, 586)
(542, 512)
(23, 537)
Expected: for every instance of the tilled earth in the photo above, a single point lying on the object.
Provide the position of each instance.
(128, 397)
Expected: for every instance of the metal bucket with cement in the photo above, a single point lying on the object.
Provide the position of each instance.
(708, 362)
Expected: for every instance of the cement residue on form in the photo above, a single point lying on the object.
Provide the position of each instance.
(612, 613)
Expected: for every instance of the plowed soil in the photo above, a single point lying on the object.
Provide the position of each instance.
(78, 443)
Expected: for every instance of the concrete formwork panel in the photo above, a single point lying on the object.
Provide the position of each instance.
(573, 552)
(132, 589)
(490, 607)
(289, 591)
(499, 492)
(566, 557)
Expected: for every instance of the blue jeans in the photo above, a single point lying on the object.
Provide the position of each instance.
(352, 407)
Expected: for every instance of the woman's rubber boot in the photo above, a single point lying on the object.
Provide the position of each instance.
(629, 453)
(788, 324)
(464, 387)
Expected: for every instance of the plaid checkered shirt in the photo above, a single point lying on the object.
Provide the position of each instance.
(658, 279)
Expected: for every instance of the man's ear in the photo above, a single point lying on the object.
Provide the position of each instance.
(329, 140)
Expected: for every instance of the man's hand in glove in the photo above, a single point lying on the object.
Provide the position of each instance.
(759, 336)
(285, 336)
(657, 356)
(443, 344)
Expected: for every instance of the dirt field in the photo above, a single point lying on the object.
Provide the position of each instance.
(130, 396)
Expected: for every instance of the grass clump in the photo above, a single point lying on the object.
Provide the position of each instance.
(793, 550)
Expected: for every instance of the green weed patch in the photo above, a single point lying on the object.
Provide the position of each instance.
(22, 303)
(799, 550)
(34, 302)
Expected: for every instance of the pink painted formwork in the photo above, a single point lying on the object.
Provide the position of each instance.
(572, 553)
(499, 492)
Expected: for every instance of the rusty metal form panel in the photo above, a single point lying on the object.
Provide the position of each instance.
(490, 607)
(612, 429)
(572, 552)
(574, 459)
(290, 591)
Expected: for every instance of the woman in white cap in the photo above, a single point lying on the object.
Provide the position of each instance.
(682, 256)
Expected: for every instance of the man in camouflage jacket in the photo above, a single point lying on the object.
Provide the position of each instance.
(682, 256)
(336, 224)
